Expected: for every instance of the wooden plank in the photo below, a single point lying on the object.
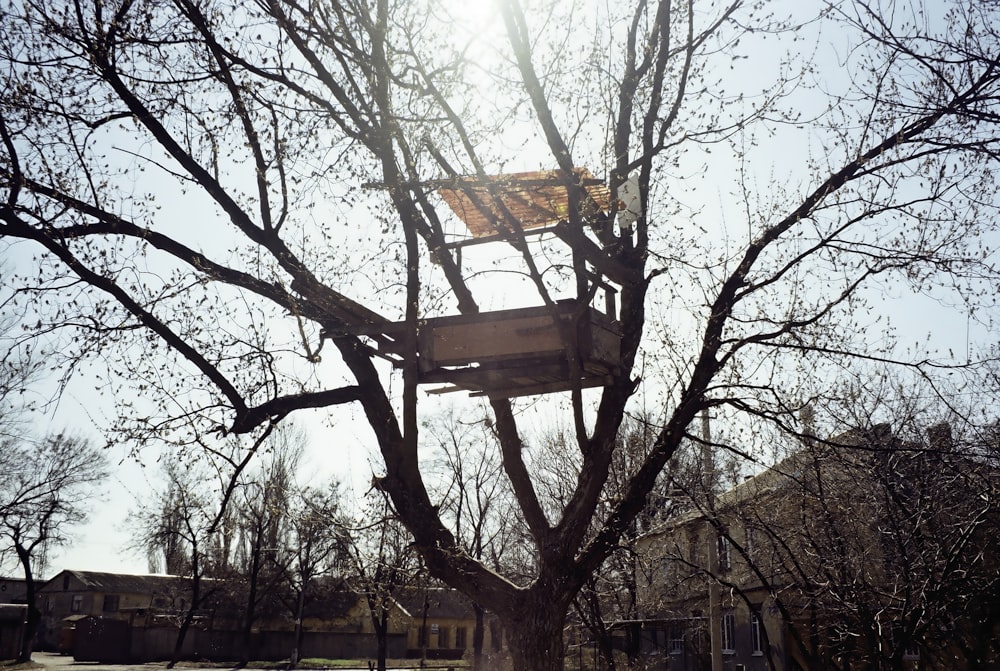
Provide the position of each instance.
(464, 344)
(544, 388)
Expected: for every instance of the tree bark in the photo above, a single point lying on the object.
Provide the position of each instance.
(300, 605)
(478, 635)
(382, 638)
(188, 618)
(535, 637)
(31, 595)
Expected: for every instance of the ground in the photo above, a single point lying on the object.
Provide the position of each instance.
(48, 661)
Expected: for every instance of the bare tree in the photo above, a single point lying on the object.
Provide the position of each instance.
(179, 524)
(273, 129)
(19, 370)
(46, 486)
(476, 501)
(261, 512)
(891, 562)
(318, 545)
(608, 605)
(382, 564)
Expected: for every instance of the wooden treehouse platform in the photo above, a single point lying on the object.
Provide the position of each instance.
(517, 352)
(523, 351)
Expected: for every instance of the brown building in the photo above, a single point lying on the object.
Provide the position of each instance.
(863, 551)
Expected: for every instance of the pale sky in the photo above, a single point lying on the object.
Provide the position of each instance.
(102, 544)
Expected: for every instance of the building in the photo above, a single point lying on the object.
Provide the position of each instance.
(13, 590)
(863, 551)
(442, 624)
(111, 617)
(71, 596)
(12, 619)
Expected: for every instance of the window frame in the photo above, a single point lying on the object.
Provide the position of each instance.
(728, 629)
(724, 552)
(757, 638)
(675, 639)
(443, 637)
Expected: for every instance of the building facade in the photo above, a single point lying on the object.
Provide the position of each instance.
(863, 551)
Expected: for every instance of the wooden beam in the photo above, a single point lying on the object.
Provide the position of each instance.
(606, 265)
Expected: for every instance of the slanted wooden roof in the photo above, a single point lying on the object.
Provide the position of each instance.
(533, 199)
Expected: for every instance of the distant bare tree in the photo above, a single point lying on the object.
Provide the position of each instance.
(260, 510)
(44, 490)
(871, 545)
(317, 543)
(382, 563)
(476, 499)
(178, 524)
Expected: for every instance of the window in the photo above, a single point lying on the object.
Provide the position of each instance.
(422, 637)
(443, 641)
(77, 604)
(756, 632)
(460, 638)
(675, 639)
(725, 560)
(110, 603)
(65, 582)
(729, 633)
(496, 636)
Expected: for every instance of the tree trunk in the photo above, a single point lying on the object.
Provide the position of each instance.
(382, 639)
(300, 604)
(34, 615)
(535, 637)
(250, 611)
(478, 636)
(188, 617)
